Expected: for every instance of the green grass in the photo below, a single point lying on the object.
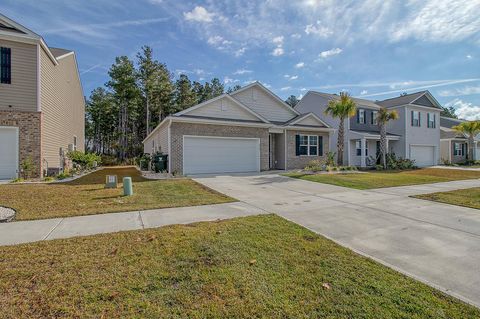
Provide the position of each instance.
(464, 197)
(370, 180)
(253, 267)
(87, 195)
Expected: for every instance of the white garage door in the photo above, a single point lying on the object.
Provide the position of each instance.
(203, 155)
(8, 152)
(423, 155)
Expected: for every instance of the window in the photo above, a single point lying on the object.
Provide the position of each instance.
(416, 118)
(5, 65)
(361, 116)
(459, 149)
(375, 117)
(431, 120)
(309, 145)
(74, 143)
(358, 146)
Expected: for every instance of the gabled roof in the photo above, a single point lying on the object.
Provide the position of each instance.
(14, 31)
(448, 133)
(58, 53)
(359, 102)
(409, 99)
(227, 96)
(449, 122)
(263, 88)
(302, 117)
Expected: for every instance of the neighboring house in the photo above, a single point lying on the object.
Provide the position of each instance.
(453, 144)
(248, 130)
(415, 135)
(41, 102)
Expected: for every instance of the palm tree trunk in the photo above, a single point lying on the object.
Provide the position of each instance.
(470, 147)
(383, 144)
(341, 141)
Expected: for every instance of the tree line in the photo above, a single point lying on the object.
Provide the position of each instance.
(138, 96)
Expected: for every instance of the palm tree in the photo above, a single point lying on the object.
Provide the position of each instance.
(342, 109)
(383, 117)
(471, 129)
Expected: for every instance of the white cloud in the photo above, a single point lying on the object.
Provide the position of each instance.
(296, 35)
(467, 90)
(293, 77)
(300, 65)
(215, 40)
(363, 92)
(278, 40)
(240, 52)
(199, 14)
(242, 71)
(303, 89)
(318, 30)
(286, 88)
(278, 51)
(469, 56)
(227, 80)
(329, 53)
(465, 110)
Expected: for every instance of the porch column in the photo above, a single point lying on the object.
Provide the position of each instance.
(387, 145)
(363, 147)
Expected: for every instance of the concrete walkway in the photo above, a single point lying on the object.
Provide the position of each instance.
(45, 229)
(435, 243)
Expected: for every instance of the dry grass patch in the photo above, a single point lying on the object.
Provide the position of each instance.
(463, 197)
(87, 195)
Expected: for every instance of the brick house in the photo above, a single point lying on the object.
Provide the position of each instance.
(248, 130)
(41, 102)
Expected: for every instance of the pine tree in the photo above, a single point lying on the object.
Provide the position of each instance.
(184, 97)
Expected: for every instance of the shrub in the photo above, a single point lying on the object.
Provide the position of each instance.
(399, 163)
(109, 160)
(64, 175)
(85, 160)
(315, 166)
(27, 167)
(48, 179)
(17, 180)
(330, 159)
(446, 162)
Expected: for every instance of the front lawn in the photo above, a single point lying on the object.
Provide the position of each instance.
(253, 267)
(370, 180)
(87, 195)
(464, 197)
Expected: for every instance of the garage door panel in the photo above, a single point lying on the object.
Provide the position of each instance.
(8, 152)
(220, 155)
(423, 155)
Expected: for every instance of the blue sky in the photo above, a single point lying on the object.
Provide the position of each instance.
(373, 49)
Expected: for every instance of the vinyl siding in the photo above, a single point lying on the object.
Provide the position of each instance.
(445, 151)
(21, 94)
(161, 141)
(309, 121)
(264, 104)
(62, 106)
(224, 108)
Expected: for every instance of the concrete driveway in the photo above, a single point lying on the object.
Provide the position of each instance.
(435, 243)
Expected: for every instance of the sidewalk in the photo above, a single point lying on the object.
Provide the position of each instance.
(45, 229)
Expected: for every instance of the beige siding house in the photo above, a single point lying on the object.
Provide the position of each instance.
(41, 102)
(248, 130)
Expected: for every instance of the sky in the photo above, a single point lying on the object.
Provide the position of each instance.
(374, 49)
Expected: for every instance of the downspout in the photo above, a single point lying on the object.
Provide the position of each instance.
(169, 147)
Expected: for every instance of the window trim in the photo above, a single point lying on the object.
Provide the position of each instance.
(361, 116)
(416, 124)
(374, 117)
(308, 145)
(460, 151)
(357, 149)
(431, 120)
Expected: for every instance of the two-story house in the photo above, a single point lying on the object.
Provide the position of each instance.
(454, 146)
(415, 135)
(41, 102)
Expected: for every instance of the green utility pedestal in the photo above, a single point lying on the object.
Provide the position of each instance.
(127, 186)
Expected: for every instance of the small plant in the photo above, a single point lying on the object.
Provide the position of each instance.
(48, 179)
(84, 160)
(446, 162)
(379, 167)
(17, 180)
(64, 174)
(394, 162)
(27, 167)
(315, 166)
(330, 159)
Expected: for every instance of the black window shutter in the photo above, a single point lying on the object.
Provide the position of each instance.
(297, 145)
(372, 118)
(419, 119)
(320, 145)
(411, 117)
(463, 149)
(5, 63)
(358, 116)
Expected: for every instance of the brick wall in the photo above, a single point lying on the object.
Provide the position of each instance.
(179, 129)
(293, 161)
(29, 125)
